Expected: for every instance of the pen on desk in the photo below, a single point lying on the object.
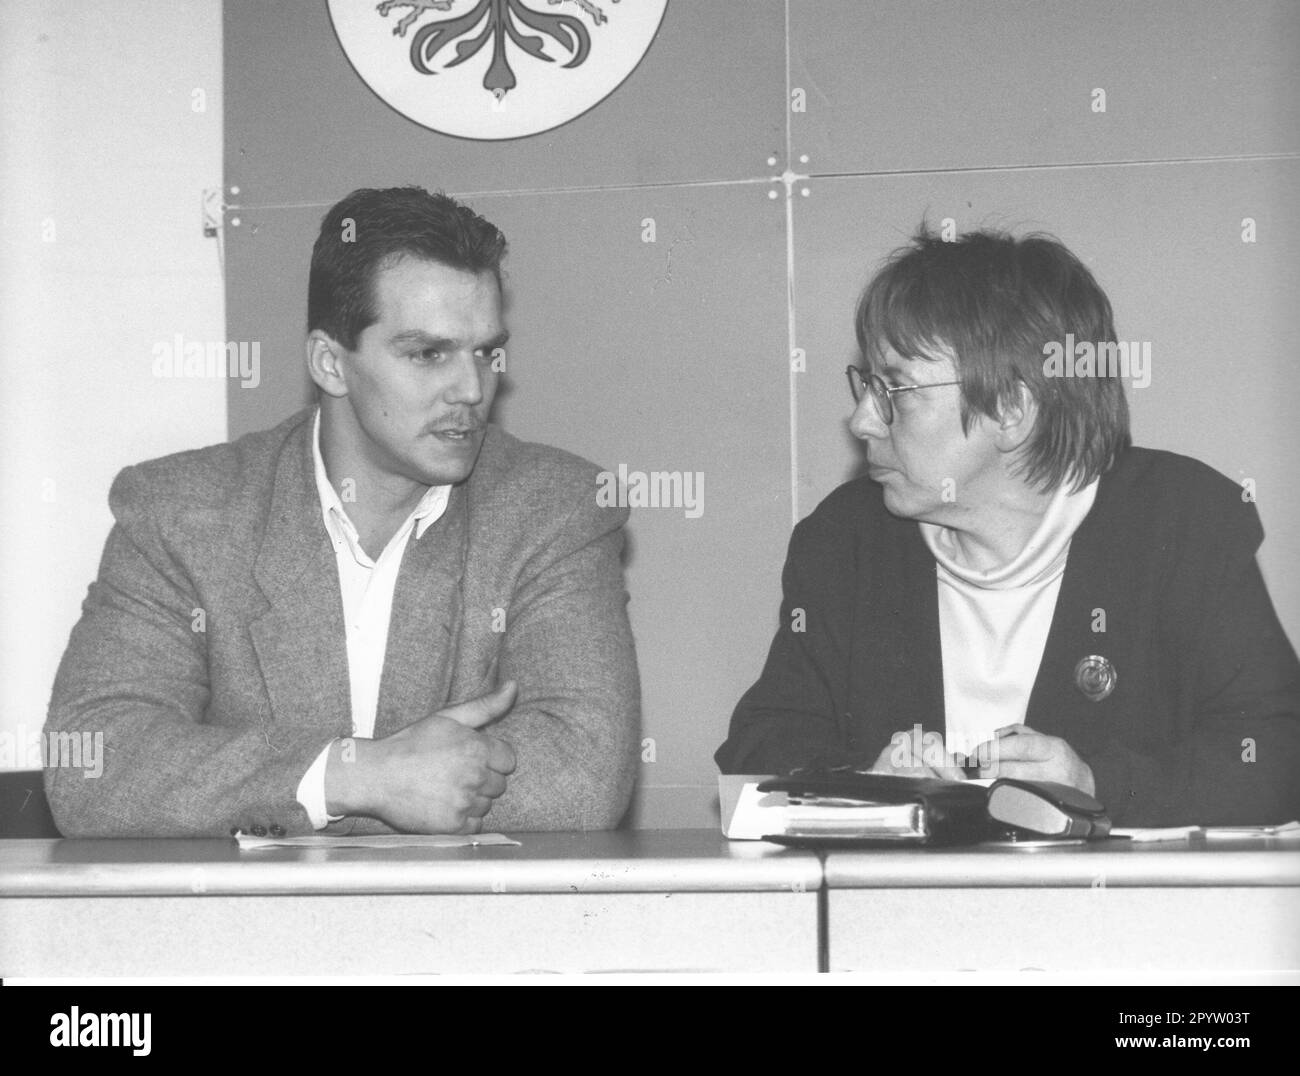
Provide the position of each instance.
(983, 754)
(999, 734)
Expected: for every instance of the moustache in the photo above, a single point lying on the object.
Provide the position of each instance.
(465, 425)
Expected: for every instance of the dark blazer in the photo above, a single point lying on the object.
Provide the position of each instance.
(1203, 725)
(210, 721)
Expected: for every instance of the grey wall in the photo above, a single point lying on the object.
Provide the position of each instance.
(102, 259)
(675, 355)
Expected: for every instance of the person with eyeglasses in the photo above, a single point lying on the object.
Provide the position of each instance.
(1012, 580)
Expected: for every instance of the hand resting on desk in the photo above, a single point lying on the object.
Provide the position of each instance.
(1020, 752)
(1015, 751)
(438, 775)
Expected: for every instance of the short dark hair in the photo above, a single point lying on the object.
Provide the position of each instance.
(370, 230)
(996, 301)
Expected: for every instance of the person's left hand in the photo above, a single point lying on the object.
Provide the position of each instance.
(1020, 752)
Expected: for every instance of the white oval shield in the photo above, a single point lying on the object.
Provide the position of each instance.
(495, 69)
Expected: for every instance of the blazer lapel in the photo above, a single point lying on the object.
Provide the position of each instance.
(896, 678)
(918, 689)
(1096, 583)
(300, 640)
(425, 623)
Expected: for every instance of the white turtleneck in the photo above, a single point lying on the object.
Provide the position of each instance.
(993, 624)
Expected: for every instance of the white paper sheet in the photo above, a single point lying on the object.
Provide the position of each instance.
(249, 843)
(1170, 833)
(1289, 831)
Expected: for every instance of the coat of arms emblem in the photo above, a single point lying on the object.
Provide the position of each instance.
(495, 69)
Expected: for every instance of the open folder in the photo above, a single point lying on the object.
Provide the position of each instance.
(843, 804)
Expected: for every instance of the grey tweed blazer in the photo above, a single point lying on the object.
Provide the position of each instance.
(211, 651)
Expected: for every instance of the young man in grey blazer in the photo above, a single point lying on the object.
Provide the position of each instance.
(383, 614)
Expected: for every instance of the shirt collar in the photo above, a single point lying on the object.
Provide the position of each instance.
(1043, 556)
(339, 524)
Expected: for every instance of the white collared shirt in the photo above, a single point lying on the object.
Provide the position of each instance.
(367, 587)
(993, 624)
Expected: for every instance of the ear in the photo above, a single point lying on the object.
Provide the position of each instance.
(327, 363)
(1017, 419)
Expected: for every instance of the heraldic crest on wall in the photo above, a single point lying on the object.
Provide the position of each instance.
(495, 69)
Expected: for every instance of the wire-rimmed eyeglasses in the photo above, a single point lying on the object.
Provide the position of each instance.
(883, 394)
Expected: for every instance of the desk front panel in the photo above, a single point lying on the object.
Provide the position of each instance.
(350, 934)
(1123, 930)
(1108, 906)
(645, 900)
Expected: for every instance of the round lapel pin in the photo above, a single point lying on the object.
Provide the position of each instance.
(1095, 676)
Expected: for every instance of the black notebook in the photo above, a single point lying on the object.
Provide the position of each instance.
(842, 804)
